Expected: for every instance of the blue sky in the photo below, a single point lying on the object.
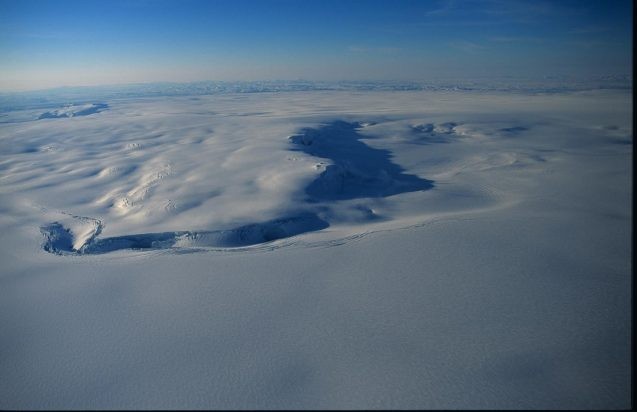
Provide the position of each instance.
(55, 43)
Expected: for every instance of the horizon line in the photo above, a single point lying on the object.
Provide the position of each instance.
(460, 79)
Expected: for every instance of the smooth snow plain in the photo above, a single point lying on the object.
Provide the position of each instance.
(317, 249)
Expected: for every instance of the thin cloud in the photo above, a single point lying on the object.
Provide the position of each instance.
(589, 30)
(519, 8)
(587, 44)
(367, 49)
(446, 7)
(47, 36)
(480, 13)
(515, 39)
(467, 46)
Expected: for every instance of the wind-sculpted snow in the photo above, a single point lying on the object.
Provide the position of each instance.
(350, 248)
(356, 171)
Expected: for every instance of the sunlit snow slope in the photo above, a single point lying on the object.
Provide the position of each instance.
(317, 249)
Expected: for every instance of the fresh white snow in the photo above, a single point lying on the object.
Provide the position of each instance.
(317, 249)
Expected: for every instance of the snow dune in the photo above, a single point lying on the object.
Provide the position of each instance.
(317, 249)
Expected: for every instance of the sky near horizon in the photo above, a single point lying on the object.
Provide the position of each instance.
(73, 43)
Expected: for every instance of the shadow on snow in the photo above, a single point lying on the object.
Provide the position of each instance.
(59, 240)
(356, 170)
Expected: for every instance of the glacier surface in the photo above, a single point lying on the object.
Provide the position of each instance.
(316, 248)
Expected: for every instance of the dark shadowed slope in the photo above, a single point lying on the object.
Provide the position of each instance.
(59, 240)
(357, 170)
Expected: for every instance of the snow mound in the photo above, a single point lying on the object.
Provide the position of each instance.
(69, 233)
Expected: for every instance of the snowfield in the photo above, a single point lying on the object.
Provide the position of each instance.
(317, 249)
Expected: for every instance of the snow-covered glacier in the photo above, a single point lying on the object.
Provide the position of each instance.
(316, 247)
